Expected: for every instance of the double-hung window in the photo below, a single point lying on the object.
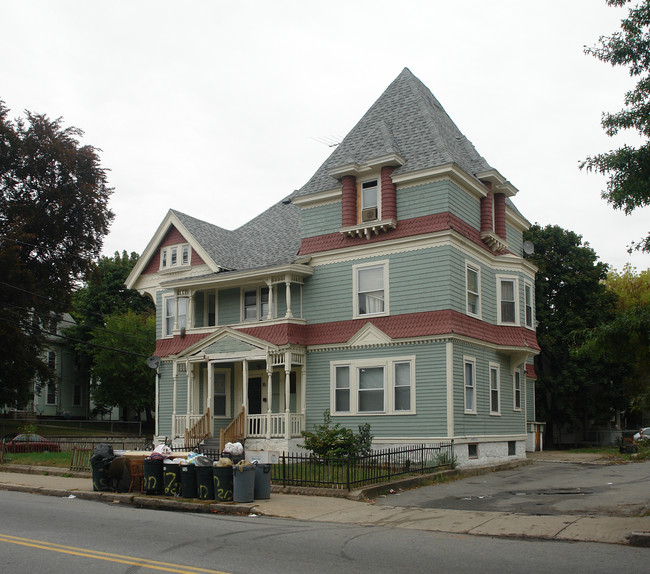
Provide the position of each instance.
(469, 366)
(371, 289)
(528, 304)
(507, 300)
(495, 402)
(369, 200)
(256, 304)
(516, 391)
(171, 306)
(382, 386)
(175, 256)
(473, 291)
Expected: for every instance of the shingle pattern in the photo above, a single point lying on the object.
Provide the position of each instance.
(406, 228)
(271, 238)
(406, 119)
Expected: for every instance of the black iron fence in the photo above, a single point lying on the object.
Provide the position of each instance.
(299, 469)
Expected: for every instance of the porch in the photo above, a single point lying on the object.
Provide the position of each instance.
(233, 398)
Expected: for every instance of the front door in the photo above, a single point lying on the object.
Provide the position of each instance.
(255, 395)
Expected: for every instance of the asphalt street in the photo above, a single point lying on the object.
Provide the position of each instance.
(543, 488)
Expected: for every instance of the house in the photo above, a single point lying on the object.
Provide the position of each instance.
(391, 288)
(68, 394)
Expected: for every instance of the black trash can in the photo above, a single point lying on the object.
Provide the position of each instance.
(204, 483)
(262, 481)
(172, 479)
(153, 477)
(222, 476)
(243, 483)
(188, 481)
(101, 479)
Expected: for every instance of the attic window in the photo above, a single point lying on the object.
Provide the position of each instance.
(369, 201)
(172, 256)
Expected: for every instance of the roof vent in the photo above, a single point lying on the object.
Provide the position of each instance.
(286, 201)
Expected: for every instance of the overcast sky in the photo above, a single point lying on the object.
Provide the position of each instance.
(220, 109)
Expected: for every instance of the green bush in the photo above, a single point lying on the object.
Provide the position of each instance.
(336, 441)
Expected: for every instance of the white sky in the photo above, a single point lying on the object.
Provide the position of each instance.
(214, 108)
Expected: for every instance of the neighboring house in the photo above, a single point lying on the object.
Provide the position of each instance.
(67, 396)
(390, 289)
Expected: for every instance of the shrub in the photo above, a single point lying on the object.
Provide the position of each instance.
(336, 441)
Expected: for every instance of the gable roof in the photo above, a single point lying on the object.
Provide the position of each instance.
(406, 121)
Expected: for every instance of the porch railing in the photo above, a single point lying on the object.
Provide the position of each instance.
(198, 431)
(273, 425)
(234, 432)
(182, 422)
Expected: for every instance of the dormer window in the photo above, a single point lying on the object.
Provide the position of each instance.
(172, 256)
(369, 201)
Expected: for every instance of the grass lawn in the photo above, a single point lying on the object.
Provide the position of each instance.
(55, 459)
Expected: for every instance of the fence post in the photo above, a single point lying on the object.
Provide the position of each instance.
(389, 463)
(284, 470)
(347, 478)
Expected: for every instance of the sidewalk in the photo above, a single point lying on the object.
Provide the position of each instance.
(606, 529)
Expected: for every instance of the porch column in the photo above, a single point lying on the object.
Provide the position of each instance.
(175, 311)
(287, 394)
(189, 377)
(210, 400)
(303, 394)
(244, 385)
(287, 282)
(189, 320)
(269, 396)
(269, 315)
(174, 394)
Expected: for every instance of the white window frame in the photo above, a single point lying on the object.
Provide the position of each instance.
(175, 257)
(173, 302)
(495, 369)
(388, 365)
(476, 269)
(355, 288)
(259, 316)
(469, 361)
(51, 397)
(516, 391)
(515, 290)
(528, 289)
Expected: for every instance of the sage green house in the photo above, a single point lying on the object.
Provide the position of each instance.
(391, 288)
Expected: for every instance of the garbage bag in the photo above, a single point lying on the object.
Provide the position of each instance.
(234, 448)
(102, 452)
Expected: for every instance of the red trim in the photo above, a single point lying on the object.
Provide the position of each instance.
(406, 228)
(173, 237)
(396, 327)
(530, 371)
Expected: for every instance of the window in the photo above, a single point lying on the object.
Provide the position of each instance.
(507, 300)
(495, 406)
(256, 304)
(221, 393)
(512, 448)
(528, 295)
(472, 450)
(175, 256)
(382, 386)
(473, 297)
(470, 386)
(342, 389)
(369, 200)
(51, 360)
(205, 309)
(51, 394)
(516, 391)
(170, 305)
(76, 396)
(371, 293)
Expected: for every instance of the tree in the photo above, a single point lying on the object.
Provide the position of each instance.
(121, 376)
(102, 309)
(625, 340)
(628, 167)
(570, 299)
(53, 218)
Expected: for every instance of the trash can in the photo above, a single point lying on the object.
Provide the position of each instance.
(172, 479)
(243, 483)
(188, 481)
(262, 481)
(204, 483)
(101, 480)
(153, 477)
(222, 476)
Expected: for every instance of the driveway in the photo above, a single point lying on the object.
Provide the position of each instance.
(546, 487)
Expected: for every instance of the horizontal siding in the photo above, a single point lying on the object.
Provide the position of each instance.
(430, 392)
(483, 423)
(464, 205)
(425, 199)
(321, 220)
(515, 240)
(165, 397)
(229, 306)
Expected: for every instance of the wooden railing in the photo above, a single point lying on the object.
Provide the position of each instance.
(200, 430)
(235, 431)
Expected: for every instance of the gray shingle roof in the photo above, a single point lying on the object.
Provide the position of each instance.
(407, 120)
(272, 238)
